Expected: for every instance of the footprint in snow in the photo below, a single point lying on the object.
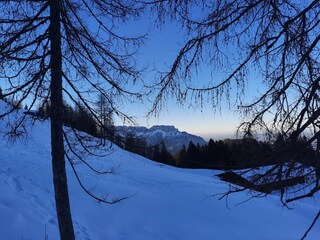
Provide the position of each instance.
(15, 184)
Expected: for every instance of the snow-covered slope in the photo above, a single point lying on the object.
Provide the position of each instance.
(166, 203)
(171, 136)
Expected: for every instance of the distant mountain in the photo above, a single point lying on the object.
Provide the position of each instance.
(171, 136)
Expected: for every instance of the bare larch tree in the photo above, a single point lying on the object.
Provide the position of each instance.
(274, 43)
(55, 50)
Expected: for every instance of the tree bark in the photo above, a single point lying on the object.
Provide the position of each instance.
(57, 145)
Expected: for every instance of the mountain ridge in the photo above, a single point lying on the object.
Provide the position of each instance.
(172, 137)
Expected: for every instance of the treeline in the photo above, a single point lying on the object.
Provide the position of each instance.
(98, 121)
(139, 145)
(83, 120)
(243, 153)
(225, 154)
(99, 124)
(79, 117)
(221, 154)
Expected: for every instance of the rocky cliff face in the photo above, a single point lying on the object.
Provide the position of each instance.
(171, 136)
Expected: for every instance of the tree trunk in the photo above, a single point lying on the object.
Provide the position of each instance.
(57, 146)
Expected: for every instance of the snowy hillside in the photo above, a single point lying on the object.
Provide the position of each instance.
(171, 136)
(166, 204)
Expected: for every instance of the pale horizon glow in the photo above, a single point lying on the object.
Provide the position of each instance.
(159, 51)
(205, 122)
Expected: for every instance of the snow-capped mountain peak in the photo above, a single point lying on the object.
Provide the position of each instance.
(169, 135)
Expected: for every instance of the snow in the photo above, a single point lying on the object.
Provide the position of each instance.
(165, 203)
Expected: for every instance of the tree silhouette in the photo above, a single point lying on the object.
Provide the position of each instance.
(52, 50)
(275, 43)
(105, 114)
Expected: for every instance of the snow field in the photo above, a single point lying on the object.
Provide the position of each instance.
(166, 203)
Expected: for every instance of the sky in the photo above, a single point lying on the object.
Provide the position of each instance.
(159, 51)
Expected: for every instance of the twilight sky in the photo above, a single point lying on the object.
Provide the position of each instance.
(159, 51)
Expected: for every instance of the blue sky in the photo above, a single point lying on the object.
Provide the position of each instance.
(159, 51)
